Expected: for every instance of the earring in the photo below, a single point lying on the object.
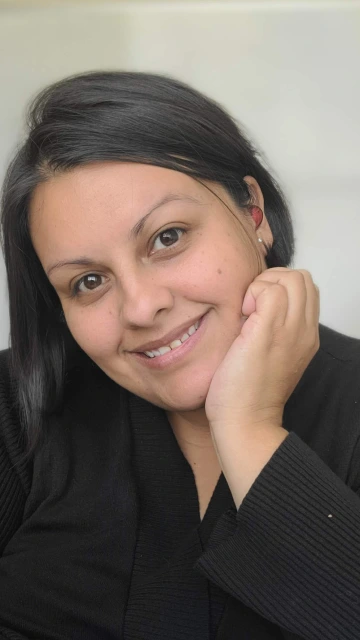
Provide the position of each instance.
(260, 239)
(257, 215)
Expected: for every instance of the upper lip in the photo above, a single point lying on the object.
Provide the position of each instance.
(168, 338)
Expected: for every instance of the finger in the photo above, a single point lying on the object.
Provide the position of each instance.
(312, 311)
(302, 299)
(294, 282)
(304, 304)
(268, 300)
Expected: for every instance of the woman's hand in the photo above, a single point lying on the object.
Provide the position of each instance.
(248, 391)
(276, 344)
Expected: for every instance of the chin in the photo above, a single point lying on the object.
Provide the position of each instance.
(189, 396)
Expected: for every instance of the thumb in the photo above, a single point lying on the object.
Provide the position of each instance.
(249, 303)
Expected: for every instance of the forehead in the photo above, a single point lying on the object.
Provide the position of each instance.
(103, 196)
(95, 206)
(107, 188)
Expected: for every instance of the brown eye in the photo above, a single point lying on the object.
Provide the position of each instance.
(88, 283)
(168, 237)
(92, 281)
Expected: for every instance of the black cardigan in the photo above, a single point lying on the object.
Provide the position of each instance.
(287, 562)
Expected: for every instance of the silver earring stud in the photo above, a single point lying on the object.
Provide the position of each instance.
(259, 239)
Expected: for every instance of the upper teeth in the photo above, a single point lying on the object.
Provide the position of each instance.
(175, 343)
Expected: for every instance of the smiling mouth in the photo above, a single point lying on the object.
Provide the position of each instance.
(175, 344)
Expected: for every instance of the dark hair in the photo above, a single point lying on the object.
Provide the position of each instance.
(110, 116)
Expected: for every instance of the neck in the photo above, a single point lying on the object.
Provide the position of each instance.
(191, 427)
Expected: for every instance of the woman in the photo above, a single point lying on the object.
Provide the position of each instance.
(179, 457)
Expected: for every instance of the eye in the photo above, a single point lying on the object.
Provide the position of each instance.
(88, 283)
(168, 237)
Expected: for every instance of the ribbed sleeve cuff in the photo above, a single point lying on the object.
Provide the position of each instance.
(292, 550)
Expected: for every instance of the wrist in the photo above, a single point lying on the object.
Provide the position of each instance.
(251, 421)
(244, 451)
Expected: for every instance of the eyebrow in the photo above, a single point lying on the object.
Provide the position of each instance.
(134, 233)
(170, 197)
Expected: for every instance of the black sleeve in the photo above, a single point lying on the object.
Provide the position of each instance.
(292, 550)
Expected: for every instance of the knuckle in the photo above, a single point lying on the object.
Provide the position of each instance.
(300, 275)
(278, 290)
(305, 273)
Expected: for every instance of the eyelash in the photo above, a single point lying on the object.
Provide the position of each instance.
(169, 229)
(75, 291)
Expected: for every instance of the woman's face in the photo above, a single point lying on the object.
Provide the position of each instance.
(137, 252)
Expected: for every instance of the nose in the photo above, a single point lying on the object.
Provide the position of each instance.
(143, 298)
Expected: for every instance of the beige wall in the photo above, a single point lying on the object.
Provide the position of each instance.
(288, 70)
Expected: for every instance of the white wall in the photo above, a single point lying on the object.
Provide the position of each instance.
(288, 70)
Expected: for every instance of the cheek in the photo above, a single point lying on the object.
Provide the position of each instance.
(206, 269)
(220, 277)
(95, 330)
(229, 277)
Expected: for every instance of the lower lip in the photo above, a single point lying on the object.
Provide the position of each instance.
(174, 356)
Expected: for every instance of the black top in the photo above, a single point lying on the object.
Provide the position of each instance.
(100, 538)
(170, 540)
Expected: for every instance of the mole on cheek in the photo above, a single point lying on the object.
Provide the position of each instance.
(219, 272)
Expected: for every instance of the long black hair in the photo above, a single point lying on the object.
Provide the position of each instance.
(110, 116)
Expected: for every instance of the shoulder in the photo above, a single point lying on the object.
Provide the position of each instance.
(12, 435)
(11, 432)
(335, 368)
(7, 392)
(324, 409)
(338, 346)
(15, 473)
(4, 364)
(332, 378)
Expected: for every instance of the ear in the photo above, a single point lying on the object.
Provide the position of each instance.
(263, 231)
